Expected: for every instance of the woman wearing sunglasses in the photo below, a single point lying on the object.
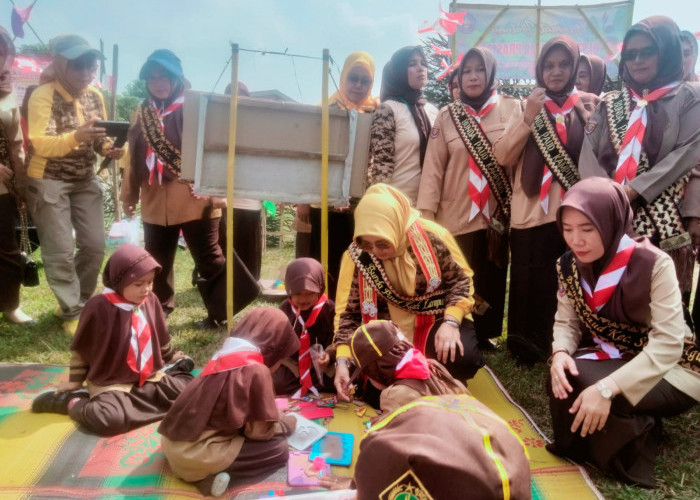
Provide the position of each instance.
(409, 270)
(647, 138)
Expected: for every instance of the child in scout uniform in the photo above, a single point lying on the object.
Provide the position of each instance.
(120, 349)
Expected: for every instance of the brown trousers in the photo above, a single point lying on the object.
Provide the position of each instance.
(116, 412)
(627, 446)
(10, 260)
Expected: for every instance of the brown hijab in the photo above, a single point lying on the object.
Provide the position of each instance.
(127, 264)
(533, 162)
(597, 70)
(667, 38)
(489, 62)
(605, 204)
(378, 347)
(6, 70)
(226, 401)
(304, 274)
(435, 448)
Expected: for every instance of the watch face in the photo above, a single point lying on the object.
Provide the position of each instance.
(605, 391)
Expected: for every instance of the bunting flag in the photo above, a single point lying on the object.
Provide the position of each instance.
(19, 17)
(446, 24)
(447, 68)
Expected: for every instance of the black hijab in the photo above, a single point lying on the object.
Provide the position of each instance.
(395, 87)
(489, 62)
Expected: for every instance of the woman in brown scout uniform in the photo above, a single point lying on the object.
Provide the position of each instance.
(169, 204)
(226, 424)
(541, 148)
(647, 138)
(409, 270)
(465, 190)
(607, 401)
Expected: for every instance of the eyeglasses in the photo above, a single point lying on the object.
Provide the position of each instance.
(641, 54)
(353, 79)
(368, 246)
(79, 65)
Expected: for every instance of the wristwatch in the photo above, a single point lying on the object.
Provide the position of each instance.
(342, 361)
(604, 390)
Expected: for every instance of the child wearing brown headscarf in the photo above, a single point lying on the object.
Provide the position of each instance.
(226, 422)
(120, 349)
(606, 402)
(541, 149)
(311, 314)
(396, 368)
(591, 74)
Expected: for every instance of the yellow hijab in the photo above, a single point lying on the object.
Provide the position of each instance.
(385, 212)
(340, 97)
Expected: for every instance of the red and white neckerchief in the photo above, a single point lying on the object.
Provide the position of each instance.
(631, 148)
(153, 163)
(559, 114)
(234, 353)
(610, 277)
(413, 365)
(140, 354)
(607, 351)
(479, 190)
(304, 345)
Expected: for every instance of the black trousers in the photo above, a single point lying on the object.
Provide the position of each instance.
(341, 226)
(489, 283)
(532, 300)
(627, 446)
(10, 260)
(202, 237)
(464, 367)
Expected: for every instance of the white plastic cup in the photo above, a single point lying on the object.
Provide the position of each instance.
(316, 351)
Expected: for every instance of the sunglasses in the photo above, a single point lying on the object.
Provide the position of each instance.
(368, 246)
(83, 65)
(641, 54)
(353, 79)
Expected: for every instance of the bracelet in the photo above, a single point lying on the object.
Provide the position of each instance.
(551, 358)
(451, 322)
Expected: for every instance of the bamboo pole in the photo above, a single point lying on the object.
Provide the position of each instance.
(233, 114)
(324, 166)
(538, 32)
(113, 115)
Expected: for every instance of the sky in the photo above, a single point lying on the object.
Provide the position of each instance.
(200, 33)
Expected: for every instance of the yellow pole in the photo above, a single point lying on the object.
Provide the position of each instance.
(233, 112)
(324, 165)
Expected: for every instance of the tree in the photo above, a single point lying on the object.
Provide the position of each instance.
(32, 49)
(129, 100)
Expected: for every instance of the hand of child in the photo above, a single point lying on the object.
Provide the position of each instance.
(323, 360)
(289, 424)
(178, 355)
(69, 386)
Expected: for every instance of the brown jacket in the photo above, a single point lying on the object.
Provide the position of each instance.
(166, 204)
(526, 212)
(444, 185)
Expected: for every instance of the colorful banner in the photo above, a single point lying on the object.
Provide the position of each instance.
(511, 32)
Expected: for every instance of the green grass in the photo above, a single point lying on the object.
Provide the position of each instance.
(678, 466)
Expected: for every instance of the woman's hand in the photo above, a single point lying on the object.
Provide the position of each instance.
(561, 363)
(6, 173)
(533, 105)
(69, 386)
(446, 342)
(128, 209)
(591, 410)
(323, 360)
(177, 356)
(114, 153)
(342, 381)
(87, 132)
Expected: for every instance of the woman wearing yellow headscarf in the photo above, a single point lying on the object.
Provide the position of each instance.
(409, 270)
(355, 93)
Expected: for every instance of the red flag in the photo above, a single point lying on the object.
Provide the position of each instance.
(446, 24)
(19, 17)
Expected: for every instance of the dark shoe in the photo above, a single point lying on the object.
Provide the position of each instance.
(487, 345)
(184, 365)
(210, 323)
(56, 402)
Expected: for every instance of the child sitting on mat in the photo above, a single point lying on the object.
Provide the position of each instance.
(226, 423)
(400, 371)
(311, 314)
(120, 348)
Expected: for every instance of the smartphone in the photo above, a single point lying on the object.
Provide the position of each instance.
(113, 128)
